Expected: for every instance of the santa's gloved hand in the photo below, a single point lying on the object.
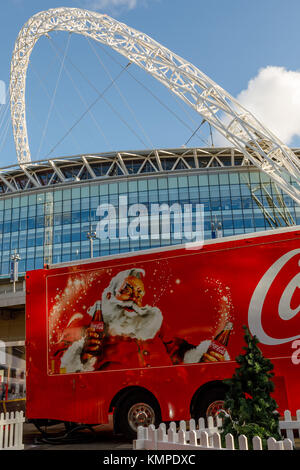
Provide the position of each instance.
(92, 344)
(212, 356)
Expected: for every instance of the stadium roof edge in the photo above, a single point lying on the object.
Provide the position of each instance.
(112, 154)
(81, 168)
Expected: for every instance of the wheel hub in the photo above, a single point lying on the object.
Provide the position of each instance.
(215, 408)
(140, 414)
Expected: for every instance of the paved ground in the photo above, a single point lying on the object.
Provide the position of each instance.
(102, 438)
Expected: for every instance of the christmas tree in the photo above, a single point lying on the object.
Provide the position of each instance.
(251, 409)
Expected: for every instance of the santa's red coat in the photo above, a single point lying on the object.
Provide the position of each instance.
(124, 352)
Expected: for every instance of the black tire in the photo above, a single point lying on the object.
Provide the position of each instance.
(209, 402)
(135, 409)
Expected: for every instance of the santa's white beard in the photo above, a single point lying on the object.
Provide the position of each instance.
(140, 322)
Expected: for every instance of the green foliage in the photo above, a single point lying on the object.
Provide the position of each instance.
(252, 410)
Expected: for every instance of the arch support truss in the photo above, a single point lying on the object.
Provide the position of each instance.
(182, 78)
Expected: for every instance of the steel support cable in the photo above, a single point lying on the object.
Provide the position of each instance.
(42, 85)
(211, 135)
(5, 119)
(202, 122)
(5, 123)
(58, 53)
(188, 114)
(194, 133)
(106, 101)
(54, 95)
(87, 110)
(121, 94)
(4, 126)
(156, 97)
(4, 106)
(125, 122)
(4, 135)
(41, 81)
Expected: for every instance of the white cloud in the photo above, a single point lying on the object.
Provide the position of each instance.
(111, 5)
(273, 96)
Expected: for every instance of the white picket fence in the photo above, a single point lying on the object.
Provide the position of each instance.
(198, 438)
(188, 437)
(290, 426)
(11, 431)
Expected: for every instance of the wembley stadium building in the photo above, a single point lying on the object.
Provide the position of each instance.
(49, 208)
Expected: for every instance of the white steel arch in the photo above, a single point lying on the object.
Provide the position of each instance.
(240, 127)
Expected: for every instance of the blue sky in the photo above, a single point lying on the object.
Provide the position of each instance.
(248, 47)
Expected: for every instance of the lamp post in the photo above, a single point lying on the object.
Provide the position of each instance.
(14, 273)
(91, 236)
(216, 229)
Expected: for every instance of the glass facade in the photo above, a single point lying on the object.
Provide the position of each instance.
(51, 224)
(12, 376)
(12, 371)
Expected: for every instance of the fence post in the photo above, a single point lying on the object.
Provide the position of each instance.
(20, 433)
(289, 431)
(172, 434)
(219, 422)
(201, 423)
(173, 426)
(271, 443)
(182, 425)
(11, 429)
(6, 428)
(181, 437)
(279, 445)
(140, 432)
(287, 444)
(192, 425)
(210, 422)
(152, 436)
(193, 438)
(1, 430)
(204, 439)
(217, 441)
(257, 444)
(298, 421)
(229, 440)
(139, 443)
(243, 443)
(161, 433)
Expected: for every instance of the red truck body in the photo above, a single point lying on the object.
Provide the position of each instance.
(189, 296)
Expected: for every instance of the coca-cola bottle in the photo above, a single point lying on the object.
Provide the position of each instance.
(97, 324)
(217, 348)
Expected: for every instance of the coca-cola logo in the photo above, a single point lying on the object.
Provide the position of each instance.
(272, 311)
(217, 348)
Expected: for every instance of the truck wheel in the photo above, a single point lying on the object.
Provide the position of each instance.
(210, 403)
(137, 409)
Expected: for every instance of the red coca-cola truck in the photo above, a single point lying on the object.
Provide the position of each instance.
(150, 336)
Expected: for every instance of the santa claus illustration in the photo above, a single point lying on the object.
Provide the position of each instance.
(134, 335)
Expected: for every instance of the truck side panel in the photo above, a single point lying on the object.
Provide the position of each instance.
(186, 299)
